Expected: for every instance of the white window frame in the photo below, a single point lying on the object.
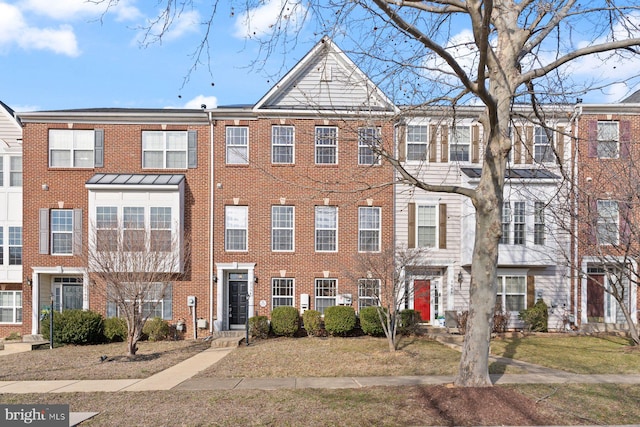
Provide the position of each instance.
(72, 146)
(325, 290)
(415, 133)
(158, 304)
(134, 226)
(283, 228)
(15, 307)
(159, 227)
(539, 230)
(368, 293)
(608, 223)
(326, 142)
(420, 216)
(237, 145)
(368, 229)
(165, 148)
(58, 284)
(15, 171)
(62, 229)
(519, 223)
(543, 145)
(2, 251)
(14, 244)
(283, 292)
(457, 153)
(368, 137)
(505, 239)
(283, 143)
(1, 171)
(324, 225)
(106, 228)
(236, 219)
(605, 143)
(504, 292)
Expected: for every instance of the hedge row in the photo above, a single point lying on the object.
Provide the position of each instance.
(87, 327)
(338, 321)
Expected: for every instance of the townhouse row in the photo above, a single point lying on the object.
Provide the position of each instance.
(278, 203)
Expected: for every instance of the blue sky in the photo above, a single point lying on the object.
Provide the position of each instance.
(56, 54)
(61, 54)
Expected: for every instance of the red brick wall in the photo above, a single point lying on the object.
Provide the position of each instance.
(261, 184)
(122, 154)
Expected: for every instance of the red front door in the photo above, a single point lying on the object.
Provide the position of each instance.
(422, 298)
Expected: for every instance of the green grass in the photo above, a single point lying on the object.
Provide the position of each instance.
(577, 354)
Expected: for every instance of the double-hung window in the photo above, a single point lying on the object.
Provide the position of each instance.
(326, 291)
(326, 229)
(237, 143)
(519, 223)
(426, 226)
(61, 232)
(282, 227)
(15, 245)
(1, 171)
(1, 245)
(326, 143)
(608, 140)
(282, 292)
(15, 171)
(133, 237)
(236, 223)
(542, 144)
(160, 229)
(368, 140)
(10, 306)
(107, 228)
(282, 144)
(506, 223)
(460, 143)
(608, 222)
(368, 293)
(72, 148)
(538, 223)
(167, 149)
(417, 142)
(512, 293)
(156, 301)
(368, 229)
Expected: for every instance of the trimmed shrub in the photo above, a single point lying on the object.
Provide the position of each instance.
(339, 319)
(156, 329)
(312, 321)
(115, 329)
(285, 321)
(259, 327)
(536, 318)
(409, 320)
(75, 327)
(370, 321)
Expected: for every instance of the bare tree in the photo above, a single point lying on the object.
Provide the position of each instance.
(133, 269)
(516, 51)
(381, 279)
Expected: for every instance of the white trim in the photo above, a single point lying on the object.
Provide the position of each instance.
(222, 313)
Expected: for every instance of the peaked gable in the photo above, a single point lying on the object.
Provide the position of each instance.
(10, 128)
(326, 80)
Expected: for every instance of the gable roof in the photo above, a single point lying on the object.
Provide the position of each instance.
(10, 128)
(326, 80)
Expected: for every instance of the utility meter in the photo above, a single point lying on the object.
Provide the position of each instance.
(191, 301)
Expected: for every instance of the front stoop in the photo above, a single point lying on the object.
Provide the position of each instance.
(225, 339)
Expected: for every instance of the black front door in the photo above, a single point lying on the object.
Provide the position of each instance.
(237, 298)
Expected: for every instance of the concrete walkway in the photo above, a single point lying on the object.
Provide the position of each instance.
(180, 377)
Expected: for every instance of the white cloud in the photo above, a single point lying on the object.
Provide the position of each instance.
(186, 22)
(14, 30)
(462, 47)
(262, 20)
(68, 10)
(209, 101)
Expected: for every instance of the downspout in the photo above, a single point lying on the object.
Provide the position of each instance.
(210, 183)
(576, 269)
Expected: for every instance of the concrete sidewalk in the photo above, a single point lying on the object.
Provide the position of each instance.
(180, 377)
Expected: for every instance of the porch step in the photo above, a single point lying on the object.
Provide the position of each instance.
(225, 339)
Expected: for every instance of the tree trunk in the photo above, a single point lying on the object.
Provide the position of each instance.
(474, 361)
